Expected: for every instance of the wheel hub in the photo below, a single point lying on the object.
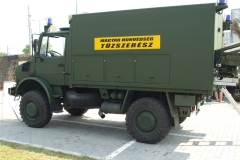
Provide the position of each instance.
(32, 110)
(146, 121)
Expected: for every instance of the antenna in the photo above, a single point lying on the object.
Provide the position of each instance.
(29, 30)
(76, 6)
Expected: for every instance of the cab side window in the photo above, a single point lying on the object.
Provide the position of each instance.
(52, 46)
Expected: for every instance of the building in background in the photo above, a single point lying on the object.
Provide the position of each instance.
(226, 37)
(235, 27)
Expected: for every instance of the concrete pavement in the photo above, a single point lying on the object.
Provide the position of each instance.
(213, 134)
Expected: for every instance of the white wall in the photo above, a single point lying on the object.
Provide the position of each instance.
(236, 39)
(8, 103)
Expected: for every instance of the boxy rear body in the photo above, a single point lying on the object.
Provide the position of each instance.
(183, 63)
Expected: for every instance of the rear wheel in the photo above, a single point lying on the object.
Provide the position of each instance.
(35, 109)
(147, 120)
(77, 111)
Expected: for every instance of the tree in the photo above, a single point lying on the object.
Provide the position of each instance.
(26, 50)
(235, 27)
(2, 54)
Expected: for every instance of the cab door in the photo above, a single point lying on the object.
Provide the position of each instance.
(51, 64)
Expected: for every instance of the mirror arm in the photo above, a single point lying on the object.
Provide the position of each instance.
(32, 45)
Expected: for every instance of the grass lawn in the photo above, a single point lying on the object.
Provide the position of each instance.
(14, 151)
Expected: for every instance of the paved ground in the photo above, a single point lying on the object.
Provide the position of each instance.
(213, 134)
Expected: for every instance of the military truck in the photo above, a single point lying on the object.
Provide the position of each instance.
(155, 65)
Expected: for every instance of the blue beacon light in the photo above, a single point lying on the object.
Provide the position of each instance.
(49, 22)
(222, 2)
(228, 18)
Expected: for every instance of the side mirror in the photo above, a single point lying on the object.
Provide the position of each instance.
(35, 45)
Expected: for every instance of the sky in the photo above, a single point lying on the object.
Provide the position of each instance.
(14, 15)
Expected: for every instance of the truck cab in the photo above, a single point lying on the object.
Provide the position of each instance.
(51, 60)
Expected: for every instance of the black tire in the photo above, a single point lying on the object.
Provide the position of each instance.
(35, 109)
(83, 100)
(77, 111)
(147, 120)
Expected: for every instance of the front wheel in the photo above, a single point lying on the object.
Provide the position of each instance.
(147, 120)
(35, 109)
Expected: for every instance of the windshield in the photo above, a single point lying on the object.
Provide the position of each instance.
(52, 46)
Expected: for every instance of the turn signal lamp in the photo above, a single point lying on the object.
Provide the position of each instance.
(222, 2)
(31, 73)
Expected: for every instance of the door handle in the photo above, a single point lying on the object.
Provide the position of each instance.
(66, 73)
(60, 65)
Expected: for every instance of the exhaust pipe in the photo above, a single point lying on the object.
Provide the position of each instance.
(101, 114)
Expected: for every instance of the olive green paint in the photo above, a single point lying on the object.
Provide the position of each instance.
(48, 90)
(146, 121)
(185, 100)
(187, 42)
(31, 110)
(173, 109)
(127, 101)
(183, 63)
(184, 111)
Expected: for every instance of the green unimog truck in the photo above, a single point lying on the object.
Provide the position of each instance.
(155, 65)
